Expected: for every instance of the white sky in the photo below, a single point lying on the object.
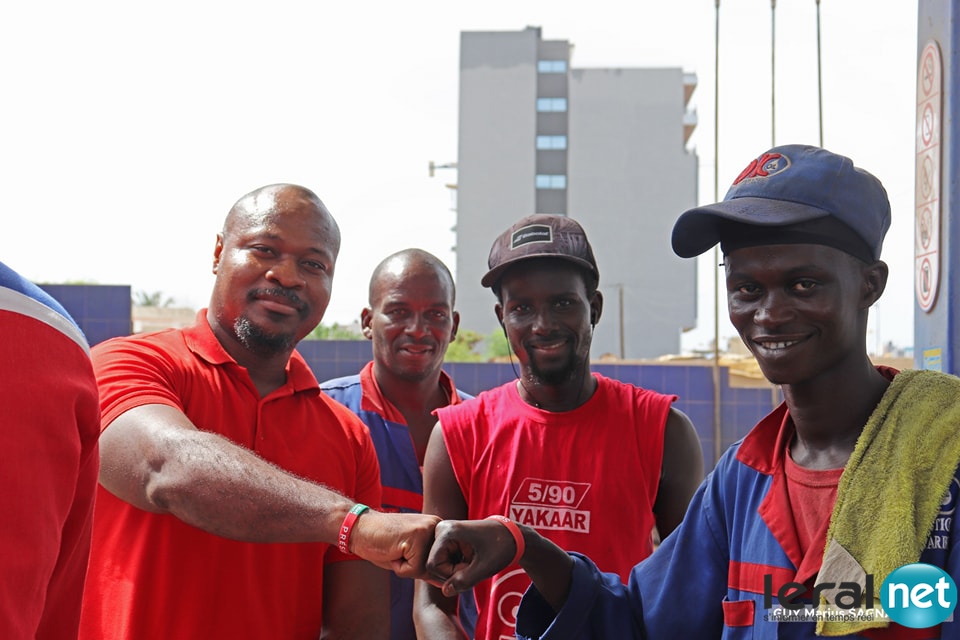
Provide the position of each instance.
(129, 129)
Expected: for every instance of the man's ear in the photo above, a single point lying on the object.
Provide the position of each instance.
(874, 282)
(217, 251)
(455, 316)
(498, 310)
(366, 317)
(596, 308)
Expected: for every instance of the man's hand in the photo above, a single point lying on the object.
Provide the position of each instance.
(468, 551)
(395, 541)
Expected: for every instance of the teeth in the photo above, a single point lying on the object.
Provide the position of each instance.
(550, 345)
(779, 345)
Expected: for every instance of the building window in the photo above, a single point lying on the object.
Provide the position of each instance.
(551, 104)
(551, 142)
(552, 66)
(551, 181)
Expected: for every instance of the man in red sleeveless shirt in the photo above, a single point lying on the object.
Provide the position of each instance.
(577, 456)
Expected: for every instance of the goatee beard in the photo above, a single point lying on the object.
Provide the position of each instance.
(257, 340)
(557, 376)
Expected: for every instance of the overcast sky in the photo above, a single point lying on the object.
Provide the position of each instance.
(129, 129)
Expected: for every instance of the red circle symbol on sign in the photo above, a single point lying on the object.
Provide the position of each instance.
(926, 125)
(927, 69)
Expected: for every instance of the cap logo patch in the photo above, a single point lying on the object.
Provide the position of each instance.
(766, 165)
(531, 234)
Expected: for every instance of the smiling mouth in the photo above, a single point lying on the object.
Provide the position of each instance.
(280, 306)
(417, 350)
(553, 345)
(776, 346)
(278, 296)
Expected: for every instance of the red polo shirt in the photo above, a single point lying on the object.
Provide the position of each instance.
(153, 575)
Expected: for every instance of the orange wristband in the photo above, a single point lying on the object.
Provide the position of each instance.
(515, 532)
(343, 540)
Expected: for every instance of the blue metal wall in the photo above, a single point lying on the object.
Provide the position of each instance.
(104, 312)
(741, 407)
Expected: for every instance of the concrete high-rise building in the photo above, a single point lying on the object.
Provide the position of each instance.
(607, 147)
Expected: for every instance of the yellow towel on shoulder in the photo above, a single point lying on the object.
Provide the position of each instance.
(893, 485)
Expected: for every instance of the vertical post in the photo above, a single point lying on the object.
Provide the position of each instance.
(623, 350)
(717, 414)
(819, 77)
(773, 73)
(876, 328)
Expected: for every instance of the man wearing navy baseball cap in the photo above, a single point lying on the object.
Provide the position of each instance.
(793, 194)
(853, 476)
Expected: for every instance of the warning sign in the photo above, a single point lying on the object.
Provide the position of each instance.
(927, 192)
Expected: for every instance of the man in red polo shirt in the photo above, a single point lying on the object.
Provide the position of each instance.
(226, 473)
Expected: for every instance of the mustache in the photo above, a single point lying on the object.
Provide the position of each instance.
(423, 342)
(279, 292)
(553, 337)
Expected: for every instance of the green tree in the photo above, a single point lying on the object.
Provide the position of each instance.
(463, 347)
(497, 346)
(155, 299)
(470, 346)
(334, 331)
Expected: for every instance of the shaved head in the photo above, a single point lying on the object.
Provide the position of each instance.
(411, 319)
(274, 262)
(261, 203)
(408, 261)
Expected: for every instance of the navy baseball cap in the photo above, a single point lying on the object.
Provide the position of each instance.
(792, 194)
(541, 235)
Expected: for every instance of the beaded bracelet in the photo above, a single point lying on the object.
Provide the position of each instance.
(343, 542)
(515, 532)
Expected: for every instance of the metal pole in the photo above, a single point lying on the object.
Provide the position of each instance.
(819, 77)
(717, 413)
(623, 350)
(773, 73)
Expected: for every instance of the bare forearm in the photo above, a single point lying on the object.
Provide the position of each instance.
(215, 485)
(436, 625)
(225, 489)
(435, 616)
(549, 567)
(154, 458)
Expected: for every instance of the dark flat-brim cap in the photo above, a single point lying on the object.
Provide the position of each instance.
(699, 229)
